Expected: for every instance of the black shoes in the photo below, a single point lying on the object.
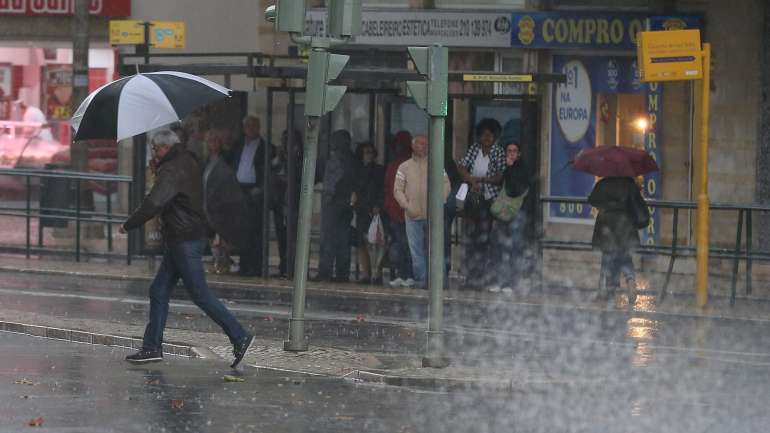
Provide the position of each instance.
(240, 349)
(145, 356)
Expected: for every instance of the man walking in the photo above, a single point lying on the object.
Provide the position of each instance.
(411, 192)
(177, 196)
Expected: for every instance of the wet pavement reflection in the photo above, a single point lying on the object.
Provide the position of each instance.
(82, 388)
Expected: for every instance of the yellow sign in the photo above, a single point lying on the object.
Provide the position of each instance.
(126, 32)
(167, 34)
(498, 78)
(670, 55)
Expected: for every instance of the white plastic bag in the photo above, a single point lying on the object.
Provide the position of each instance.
(376, 233)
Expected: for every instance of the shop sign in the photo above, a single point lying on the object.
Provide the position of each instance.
(499, 78)
(421, 27)
(167, 34)
(670, 55)
(585, 30)
(126, 32)
(104, 8)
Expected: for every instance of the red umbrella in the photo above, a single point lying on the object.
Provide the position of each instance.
(614, 161)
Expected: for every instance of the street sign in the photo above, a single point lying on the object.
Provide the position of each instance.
(669, 55)
(499, 78)
(126, 32)
(167, 34)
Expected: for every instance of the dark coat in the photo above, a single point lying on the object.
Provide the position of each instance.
(233, 159)
(614, 229)
(226, 207)
(370, 189)
(177, 196)
(340, 171)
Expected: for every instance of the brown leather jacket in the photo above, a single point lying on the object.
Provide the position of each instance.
(177, 196)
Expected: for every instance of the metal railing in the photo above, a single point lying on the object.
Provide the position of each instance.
(738, 253)
(67, 214)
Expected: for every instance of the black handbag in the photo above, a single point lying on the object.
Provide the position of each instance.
(639, 212)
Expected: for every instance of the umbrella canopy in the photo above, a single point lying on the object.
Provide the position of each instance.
(133, 105)
(615, 161)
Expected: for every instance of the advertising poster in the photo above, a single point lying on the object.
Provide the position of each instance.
(574, 128)
(57, 83)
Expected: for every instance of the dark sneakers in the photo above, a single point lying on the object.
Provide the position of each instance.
(240, 349)
(145, 356)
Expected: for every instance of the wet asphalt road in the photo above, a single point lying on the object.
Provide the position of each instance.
(82, 388)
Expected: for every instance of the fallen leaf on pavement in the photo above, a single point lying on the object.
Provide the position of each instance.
(177, 404)
(153, 382)
(343, 418)
(37, 422)
(25, 381)
(229, 378)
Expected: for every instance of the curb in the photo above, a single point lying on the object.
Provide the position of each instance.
(84, 337)
(435, 383)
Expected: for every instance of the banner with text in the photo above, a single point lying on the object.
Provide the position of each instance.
(422, 27)
(588, 30)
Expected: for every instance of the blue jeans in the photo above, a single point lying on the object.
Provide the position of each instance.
(415, 234)
(183, 260)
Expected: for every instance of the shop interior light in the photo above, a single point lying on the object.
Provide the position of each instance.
(641, 124)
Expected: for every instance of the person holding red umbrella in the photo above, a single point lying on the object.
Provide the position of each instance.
(622, 211)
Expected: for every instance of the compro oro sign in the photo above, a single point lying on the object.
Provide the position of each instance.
(670, 55)
(573, 101)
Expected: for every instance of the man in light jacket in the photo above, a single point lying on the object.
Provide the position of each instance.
(411, 193)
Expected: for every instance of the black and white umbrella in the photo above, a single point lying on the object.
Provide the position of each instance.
(133, 105)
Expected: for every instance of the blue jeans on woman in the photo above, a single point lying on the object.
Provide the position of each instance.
(184, 260)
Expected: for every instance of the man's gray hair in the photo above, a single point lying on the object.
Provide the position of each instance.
(165, 138)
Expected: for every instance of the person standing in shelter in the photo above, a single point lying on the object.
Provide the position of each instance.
(367, 203)
(337, 210)
(247, 160)
(509, 237)
(177, 196)
(482, 168)
(398, 254)
(411, 192)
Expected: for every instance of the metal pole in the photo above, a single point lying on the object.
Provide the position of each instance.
(749, 243)
(130, 237)
(109, 217)
(265, 265)
(701, 287)
(291, 174)
(77, 220)
(297, 342)
(29, 199)
(435, 355)
(737, 259)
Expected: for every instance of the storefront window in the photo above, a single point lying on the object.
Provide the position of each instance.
(492, 4)
(603, 4)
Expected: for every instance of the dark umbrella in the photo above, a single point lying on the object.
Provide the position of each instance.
(142, 102)
(614, 161)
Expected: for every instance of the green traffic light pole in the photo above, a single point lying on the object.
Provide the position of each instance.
(320, 98)
(432, 96)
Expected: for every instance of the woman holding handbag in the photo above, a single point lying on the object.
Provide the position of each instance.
(509, 211)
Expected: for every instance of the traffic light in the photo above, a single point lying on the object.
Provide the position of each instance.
(321, 97)
(431, 94)
(290, 16)
(344, 18)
